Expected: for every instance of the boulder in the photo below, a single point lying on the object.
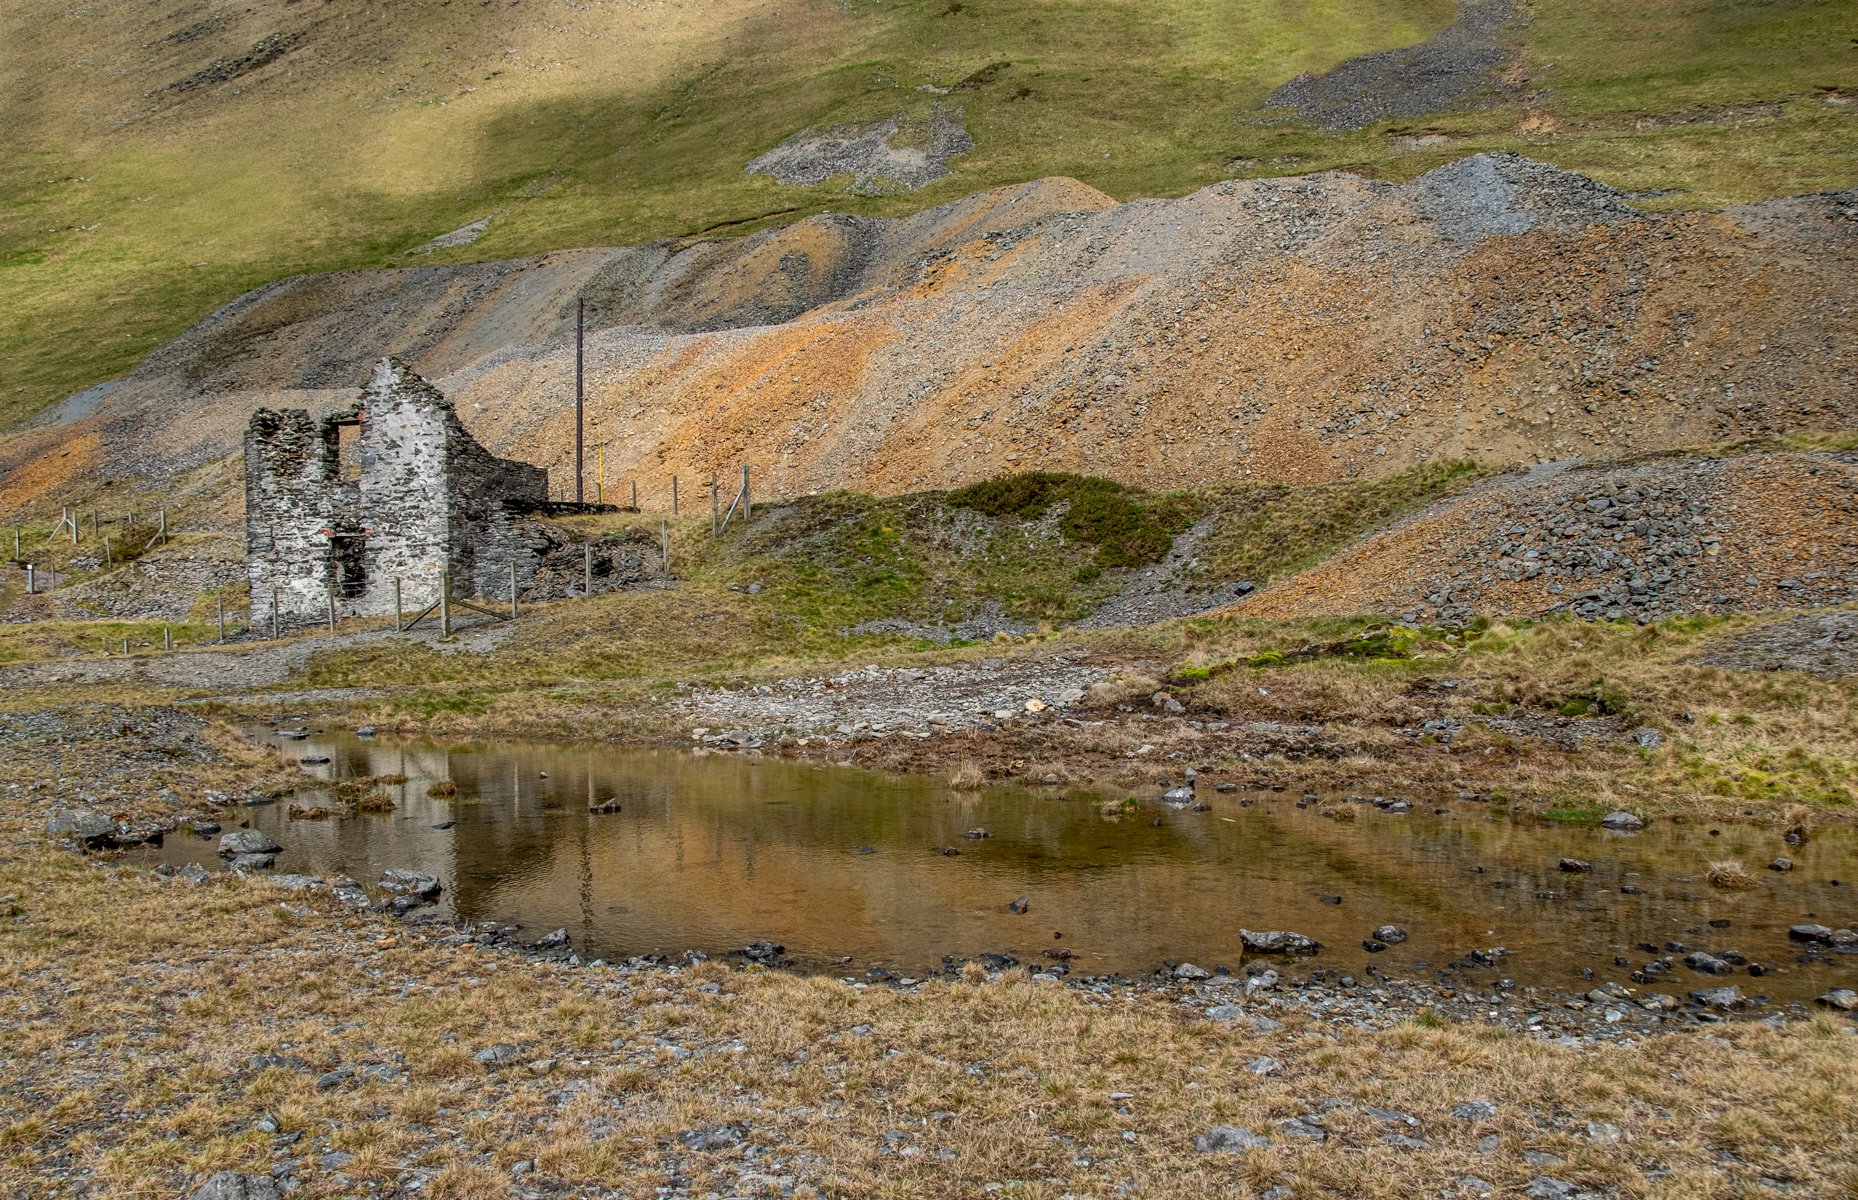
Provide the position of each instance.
(1622, 820)
(1722, 999)
(1393, 935)
(84, 825)
(247, 841)
(397, 882)
(1278, 941)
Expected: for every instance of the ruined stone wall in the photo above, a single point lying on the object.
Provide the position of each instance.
(291, 497)
(428, 499)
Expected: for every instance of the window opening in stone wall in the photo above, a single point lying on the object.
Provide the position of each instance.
(348, 553)
(348, 453)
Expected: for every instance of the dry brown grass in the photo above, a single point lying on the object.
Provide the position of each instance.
(375, 800)
(312, 812)
(967, 776)
(1729, 875)
(444, 789)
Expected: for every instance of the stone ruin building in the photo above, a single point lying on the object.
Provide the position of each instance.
(393, 487)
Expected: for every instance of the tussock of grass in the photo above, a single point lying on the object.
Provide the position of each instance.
(444, 789)
(1729, 875)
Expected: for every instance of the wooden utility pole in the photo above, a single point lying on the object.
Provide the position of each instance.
(580, 406)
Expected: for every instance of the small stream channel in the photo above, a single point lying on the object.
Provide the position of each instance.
(712, 852)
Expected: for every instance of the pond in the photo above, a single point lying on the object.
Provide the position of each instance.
(712, 852)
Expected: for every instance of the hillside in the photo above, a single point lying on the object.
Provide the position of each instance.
(1280, 331)
(164, 158)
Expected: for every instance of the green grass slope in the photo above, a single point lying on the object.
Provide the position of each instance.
(161, 159)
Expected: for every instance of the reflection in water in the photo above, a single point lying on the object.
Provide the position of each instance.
(713, 852)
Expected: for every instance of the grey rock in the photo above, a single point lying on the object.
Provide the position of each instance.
(86, 825)
(497, 1055)
(1783, 863)
(1264, 981)
(1622, 820)
(1576, 866)
(334, 1079)
(1719, 998)
(1225, 1012)
(1300, 1129)
(1264, 1064)
(1404, 1141)
(1546, 1187)
(1179, 795)
(1229, 1138)
(291, 882)
(1843, 999)
(192, 873)
(552, 941)
(712, 1137)
(410, 883)
(230, 1185)
(247, 841)
(1707, 964)
(1188, 971)
(1393, 935)
(1278, 941)
(1266, 1025)
(253, 862)
(1471, 1185)
(1604, 1132)
(1393, 1116)
(1810, 933)
(1651, 739)
(1475, 1110)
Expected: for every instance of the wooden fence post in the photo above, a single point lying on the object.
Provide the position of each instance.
(108, 558)
(125, 645)
(635, 493)
(674, 495)
(274, 620)
(587, 570)
(17, 555)
(715, 505)
(220, 603)
(167, 638)
(748, 505)
(398, 617)
(664, 531)
(445, 604)
(329, 594)
(512, 589)
(164, 515)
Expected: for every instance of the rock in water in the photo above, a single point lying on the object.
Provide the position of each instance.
(1622, 820)
(247, 841)
(1278, 941)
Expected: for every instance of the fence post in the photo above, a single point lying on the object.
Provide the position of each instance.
(108, 559)
(329, 594)
(399, 620)
(715, 505)
(664, 531)
(93, 524)
(164, 514)
(445, 604)
(73, 519)
(587, 570)
(274, 620)
(512, 589)
(125, 645)
(18, 556)
(635, 493)
(220, 603)
(748, 505)
(600, 474)
(32, 582)
(167, 638)
(674, 495)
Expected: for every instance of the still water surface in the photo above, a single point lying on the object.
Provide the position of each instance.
(711, 852)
